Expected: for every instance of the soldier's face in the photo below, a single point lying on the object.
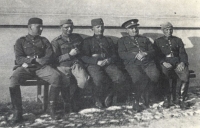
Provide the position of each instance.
(133, 31)
(98, 30)
(168, 31)
(67, 29)
(36, 29)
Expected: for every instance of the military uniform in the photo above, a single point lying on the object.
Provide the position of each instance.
(27, 49)
(128, 49)
(104, 47)
(144, 72)
(172, 50)
(66, 63)
(34, 55)
(69, 65)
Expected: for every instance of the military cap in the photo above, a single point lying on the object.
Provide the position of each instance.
(67, 21)
(95, 22)
(129, 23)
(166, 25)
(34, 20)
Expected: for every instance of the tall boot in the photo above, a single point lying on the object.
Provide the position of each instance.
(110, 93)
(167, 101)
(182, 95)
(65, 93)
(75, 100)
(53, 94)
(15, 94)
(97, 92)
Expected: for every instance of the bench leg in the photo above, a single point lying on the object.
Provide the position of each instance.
(45, 99)
(39, 93)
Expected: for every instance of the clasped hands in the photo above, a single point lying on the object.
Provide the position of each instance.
(74, 52)
(180, 66)
(102, 62)
(141, 55)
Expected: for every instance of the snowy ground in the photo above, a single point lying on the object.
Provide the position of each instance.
(120, 116)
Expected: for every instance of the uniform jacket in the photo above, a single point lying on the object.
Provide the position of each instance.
(62, 47)
(28, 48)
(128, 48)
(101, 46)
(176, 47)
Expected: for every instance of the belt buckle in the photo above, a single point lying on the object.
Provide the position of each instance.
(170, 55)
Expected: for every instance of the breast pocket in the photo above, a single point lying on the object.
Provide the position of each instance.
(129, 46)
(28, 48)
(65, 48)
(39, 46)
(143, 46)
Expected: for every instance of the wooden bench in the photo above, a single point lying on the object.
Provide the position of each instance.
(41, 96)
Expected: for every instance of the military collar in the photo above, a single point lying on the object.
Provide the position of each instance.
(98, 36)
(168, 38)
(134, 37)
(66, 38)
(31, 37)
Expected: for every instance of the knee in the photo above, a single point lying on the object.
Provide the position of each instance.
(119, 79)
(98, 81)
(14, 81)
(55, 80)
(83, 82)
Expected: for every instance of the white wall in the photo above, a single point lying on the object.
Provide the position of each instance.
(182, 13)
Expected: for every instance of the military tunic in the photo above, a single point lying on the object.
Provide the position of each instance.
(69, 65)
(104, 47)
(172, 50)
(27, 49)
(128, 48)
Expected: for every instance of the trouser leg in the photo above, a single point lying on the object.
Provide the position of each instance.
(100, 81)
(53, 95)
(65, 93)
(183, 94)
(117, 78)
(15, 94)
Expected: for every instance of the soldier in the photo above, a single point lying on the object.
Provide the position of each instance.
(33, 58)
(99, 54)
(173, 59)
(137, 53)
(67, 54)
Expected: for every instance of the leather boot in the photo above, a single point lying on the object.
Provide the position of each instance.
(97, 93)
(167, 101)
(53, 94)
(183, 94)
(136, 105)
(15, 94)
(65, 93)
(109, 100)
(76, 100)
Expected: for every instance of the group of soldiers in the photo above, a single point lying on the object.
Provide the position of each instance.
(70, 60)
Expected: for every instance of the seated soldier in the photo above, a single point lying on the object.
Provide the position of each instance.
(33, 55)
(137, 53)
(99, 54)
(173, 59)
(67, 54)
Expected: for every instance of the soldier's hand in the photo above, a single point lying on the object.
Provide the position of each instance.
(180, 66)
(38, 60)
(167, 65)
(96, 55)
(74, 52)
(108, 61)
(101, 63)
(25, 65)
(140, 56)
